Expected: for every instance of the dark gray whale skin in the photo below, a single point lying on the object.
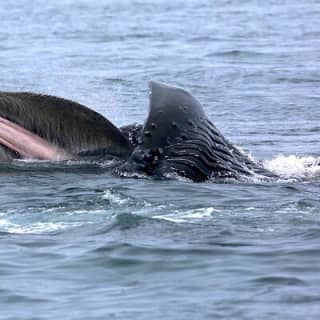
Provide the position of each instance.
(64, 123)
(177, 138)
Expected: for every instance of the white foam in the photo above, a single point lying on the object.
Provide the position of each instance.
(294, 166)
(84, 212)
(115, 198)
(35, 228)
(188, 216)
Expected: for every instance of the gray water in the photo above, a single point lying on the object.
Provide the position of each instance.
(78, 242)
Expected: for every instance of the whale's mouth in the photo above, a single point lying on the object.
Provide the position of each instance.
(28, 145)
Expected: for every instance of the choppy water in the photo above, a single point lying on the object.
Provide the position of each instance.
(76, 242)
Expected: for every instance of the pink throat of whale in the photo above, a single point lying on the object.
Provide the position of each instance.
(27, 144)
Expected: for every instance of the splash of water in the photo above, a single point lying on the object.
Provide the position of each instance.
(294, 166)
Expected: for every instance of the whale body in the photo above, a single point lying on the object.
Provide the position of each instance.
(177, 138)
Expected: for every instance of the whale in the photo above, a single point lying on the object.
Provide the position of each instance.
(50, 128)
(176, 140)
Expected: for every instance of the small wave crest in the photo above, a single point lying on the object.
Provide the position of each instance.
(294, 167)
(35, 228)
(115, 197)
(188, 216)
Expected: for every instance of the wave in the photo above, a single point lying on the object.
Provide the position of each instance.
(106, 208)
(37, 227)
(188, 216)
(237, 53)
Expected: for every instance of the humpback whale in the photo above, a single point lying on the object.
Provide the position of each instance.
(51, 128)
(177, 138)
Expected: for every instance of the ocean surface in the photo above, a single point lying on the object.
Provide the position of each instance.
(78, 242)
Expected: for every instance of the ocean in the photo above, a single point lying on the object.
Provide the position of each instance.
(79, 242)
